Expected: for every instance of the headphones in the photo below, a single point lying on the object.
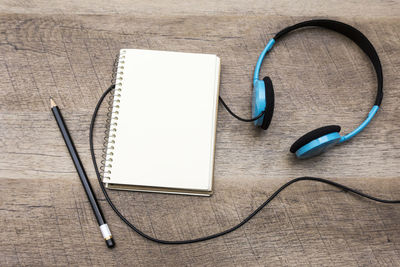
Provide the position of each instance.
(317, 141)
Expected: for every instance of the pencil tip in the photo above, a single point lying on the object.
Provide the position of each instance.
(52, 103)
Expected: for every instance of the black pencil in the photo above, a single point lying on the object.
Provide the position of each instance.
(82, 175)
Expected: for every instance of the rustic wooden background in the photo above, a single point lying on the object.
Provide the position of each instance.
(65, 49)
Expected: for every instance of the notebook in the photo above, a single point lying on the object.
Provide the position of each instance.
(163, 124)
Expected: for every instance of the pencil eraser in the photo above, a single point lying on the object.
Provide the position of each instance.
(110, 243)
(105, 231)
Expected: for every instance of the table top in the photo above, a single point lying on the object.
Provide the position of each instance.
(66, 50)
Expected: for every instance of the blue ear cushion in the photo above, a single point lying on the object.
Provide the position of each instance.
(310, 136)
(270, 103)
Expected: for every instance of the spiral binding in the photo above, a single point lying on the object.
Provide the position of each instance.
(112, 116)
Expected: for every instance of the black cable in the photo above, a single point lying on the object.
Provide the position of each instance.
(245, 220)
(236, 116)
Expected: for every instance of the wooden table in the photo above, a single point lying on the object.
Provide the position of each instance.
(66, 50)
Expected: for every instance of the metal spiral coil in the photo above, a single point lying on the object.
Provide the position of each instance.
(112, 116)
(114, 69)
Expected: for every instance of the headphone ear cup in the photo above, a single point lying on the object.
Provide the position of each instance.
(270, 103)
(258, 102)
(331, 132)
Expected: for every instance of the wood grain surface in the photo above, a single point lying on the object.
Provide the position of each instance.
(67, 51)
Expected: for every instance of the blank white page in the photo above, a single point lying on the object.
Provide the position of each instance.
(166, 121)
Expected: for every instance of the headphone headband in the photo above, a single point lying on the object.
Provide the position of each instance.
(352, 33)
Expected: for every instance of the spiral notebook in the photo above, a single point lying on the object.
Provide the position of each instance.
(163, 124)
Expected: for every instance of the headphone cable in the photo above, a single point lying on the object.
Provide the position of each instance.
(233, 228)
(236, 116)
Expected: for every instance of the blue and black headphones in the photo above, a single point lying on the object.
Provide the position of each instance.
(317, 141)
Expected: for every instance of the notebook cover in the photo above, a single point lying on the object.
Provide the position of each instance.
(162, 131)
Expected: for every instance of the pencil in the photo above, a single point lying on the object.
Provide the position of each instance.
(82, 175)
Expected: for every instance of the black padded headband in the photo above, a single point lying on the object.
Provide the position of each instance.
(353, 34)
